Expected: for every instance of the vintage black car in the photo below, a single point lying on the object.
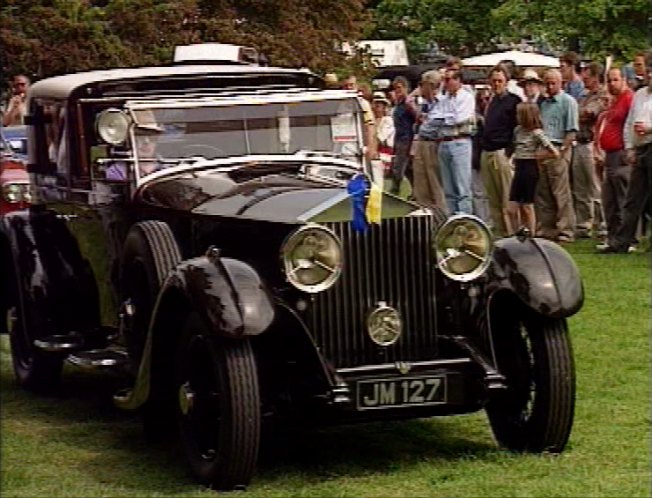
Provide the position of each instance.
(193, 228)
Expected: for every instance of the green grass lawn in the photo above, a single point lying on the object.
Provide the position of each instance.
(77, 444)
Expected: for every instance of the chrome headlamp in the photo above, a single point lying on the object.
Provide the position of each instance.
(463, 247)
(312, 258)
(12, 192)
(113, 126)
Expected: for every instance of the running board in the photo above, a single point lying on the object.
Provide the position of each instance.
(99, 358)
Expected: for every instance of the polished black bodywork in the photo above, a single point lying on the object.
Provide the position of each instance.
(66, 269)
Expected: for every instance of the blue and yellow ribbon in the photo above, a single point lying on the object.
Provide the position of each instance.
(366, 209)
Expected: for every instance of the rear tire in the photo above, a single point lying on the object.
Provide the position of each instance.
(218, 410)
(536, 411)
(35, 370)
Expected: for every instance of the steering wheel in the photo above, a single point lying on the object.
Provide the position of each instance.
(195, 150)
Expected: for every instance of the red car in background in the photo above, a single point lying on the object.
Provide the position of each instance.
(15, 190)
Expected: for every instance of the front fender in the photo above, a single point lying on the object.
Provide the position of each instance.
(228, 294)
(540, 273)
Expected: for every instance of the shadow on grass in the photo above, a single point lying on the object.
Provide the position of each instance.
(357, 450)
(80, 415)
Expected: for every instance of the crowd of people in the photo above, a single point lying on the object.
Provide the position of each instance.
(564, 152)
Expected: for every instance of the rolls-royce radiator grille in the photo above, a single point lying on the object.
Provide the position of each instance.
(390, 263)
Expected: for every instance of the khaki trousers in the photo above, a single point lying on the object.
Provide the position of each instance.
(497, 173)
(427, 187)
(583, 186)
(553, 202)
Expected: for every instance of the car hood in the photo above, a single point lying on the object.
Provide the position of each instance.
(263, 193)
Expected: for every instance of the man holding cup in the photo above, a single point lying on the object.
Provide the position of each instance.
(16, 108)
(638, 147)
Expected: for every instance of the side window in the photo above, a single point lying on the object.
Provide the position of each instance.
(75, 133)
(57, 133)
(47, 146)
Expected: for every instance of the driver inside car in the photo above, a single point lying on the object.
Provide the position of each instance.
(146, 135)
(146, 141)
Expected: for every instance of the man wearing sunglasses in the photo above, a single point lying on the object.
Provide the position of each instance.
(16, 109)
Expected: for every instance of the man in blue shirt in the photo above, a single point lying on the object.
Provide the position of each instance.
(553, 204)
(457, 109)
(574, 85)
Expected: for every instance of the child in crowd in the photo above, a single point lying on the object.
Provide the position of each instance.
(530, 145)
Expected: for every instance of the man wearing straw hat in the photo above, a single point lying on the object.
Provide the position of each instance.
(531, 84)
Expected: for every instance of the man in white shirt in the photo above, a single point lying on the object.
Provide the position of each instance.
(638, 149)
(457, 109)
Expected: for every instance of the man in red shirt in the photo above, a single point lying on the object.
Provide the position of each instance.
(616, 175)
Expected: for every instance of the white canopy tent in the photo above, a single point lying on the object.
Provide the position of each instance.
(521, 59)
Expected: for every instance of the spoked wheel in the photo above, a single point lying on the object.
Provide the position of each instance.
(536, 411)
(34, 369)
(219, 406)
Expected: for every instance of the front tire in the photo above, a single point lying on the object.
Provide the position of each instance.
(150, 252)
(536, 411)
(219, 406)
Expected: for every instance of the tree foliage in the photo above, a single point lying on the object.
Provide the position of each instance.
(597, 27)
(48, 37)
(456, 27)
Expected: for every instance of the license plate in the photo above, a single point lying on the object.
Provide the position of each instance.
(399, 392)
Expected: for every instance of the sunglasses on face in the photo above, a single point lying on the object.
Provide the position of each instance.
(148, 138)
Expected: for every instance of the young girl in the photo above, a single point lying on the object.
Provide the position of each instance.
(529, 139)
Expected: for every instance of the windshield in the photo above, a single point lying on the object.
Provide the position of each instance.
(214, 132)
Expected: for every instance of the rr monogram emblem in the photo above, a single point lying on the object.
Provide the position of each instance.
(384, 325)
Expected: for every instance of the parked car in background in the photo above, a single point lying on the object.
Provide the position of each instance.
(13, 141)
(15, 191)
(201, 229)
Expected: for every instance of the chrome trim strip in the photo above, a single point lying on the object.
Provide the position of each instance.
(252, 98)
(330, 202)
(393, 366)
(236, 162)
